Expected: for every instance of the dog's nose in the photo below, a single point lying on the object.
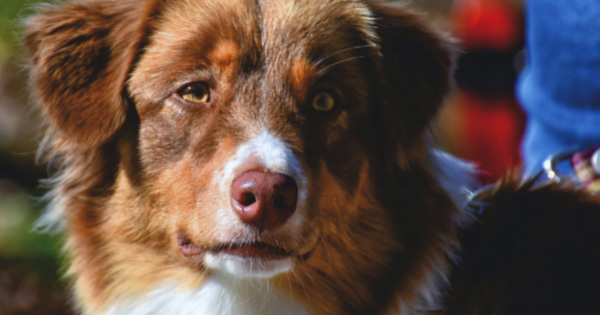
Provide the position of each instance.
(264, 200)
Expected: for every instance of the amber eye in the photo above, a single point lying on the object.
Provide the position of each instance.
(197, 92)
(323, 102)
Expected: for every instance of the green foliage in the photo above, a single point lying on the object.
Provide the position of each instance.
(18, 213)
(11, 15)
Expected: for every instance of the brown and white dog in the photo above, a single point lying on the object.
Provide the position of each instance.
(274, 157)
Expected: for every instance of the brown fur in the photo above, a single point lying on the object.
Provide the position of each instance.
(533, 250)
(138, 163)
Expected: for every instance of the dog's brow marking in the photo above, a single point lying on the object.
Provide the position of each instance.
(302, 73)
(225, 53)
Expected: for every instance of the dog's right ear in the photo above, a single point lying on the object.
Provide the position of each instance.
(414, 72)
(82, 53)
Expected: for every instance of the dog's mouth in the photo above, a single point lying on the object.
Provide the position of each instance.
(188, 249)
(253, 258)
(255, 249)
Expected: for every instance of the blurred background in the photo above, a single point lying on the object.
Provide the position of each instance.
(30, 280)
(481, 122)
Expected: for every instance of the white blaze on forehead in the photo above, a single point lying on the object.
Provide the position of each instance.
(270, 152)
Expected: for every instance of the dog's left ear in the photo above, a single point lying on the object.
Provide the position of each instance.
(82, 53)
(414, 73)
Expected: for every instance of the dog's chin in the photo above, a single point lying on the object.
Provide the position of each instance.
(248, 266)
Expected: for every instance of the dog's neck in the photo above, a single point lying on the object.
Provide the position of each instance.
(457, 178)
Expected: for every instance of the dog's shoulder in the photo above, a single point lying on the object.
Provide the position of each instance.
(532, 249)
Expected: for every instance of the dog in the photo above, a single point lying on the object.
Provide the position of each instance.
(277, 157)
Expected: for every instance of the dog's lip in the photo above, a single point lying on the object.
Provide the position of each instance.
(253, 250)
(256, 249)
(188, 248)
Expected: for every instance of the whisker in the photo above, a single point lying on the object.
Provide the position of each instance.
(309, 277)
(326, 251)
(300, 281)
(341, 51)
(322, 70)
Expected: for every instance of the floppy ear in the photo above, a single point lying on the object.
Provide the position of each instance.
(82, 53)
(414, 73)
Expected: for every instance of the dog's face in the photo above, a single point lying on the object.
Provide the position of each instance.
(245, 137)
(244, 122)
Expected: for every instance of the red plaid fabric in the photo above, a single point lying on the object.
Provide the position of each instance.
(587, 169)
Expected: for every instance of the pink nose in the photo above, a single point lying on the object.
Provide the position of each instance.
(264, 200)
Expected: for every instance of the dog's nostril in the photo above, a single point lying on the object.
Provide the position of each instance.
(247, 199)
(264, 200)
(283, 201)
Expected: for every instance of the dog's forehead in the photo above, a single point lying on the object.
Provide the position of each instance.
(315, 22)
(274, 29)
(251, 45)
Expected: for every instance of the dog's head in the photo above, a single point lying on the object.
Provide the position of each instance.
(248, 137)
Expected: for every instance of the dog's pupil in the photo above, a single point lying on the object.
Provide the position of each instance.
(323, 101)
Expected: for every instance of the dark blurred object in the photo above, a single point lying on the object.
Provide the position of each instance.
(433, 8)
(491, 32)
(20, 169)
(487, 72)
(24, 291)
(29, 261)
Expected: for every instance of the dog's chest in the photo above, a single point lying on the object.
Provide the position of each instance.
(218, 295)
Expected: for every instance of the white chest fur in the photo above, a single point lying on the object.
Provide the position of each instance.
(220, 294)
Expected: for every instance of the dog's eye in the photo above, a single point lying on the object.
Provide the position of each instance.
(323, 102)
(197, 92)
